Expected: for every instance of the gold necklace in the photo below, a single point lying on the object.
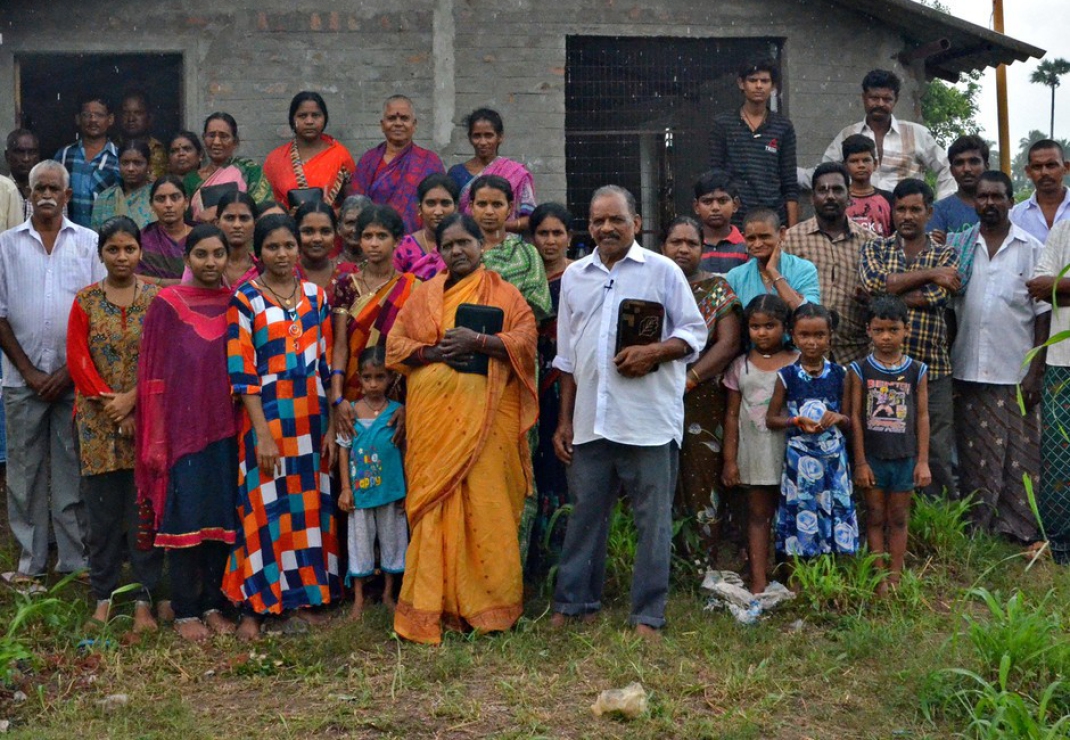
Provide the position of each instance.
(376, 411)
(363, 279)
(286, 302)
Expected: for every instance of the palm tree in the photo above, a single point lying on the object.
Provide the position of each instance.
(1048, 73)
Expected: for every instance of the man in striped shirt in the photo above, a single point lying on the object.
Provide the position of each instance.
(716, 201)
(756, 146)
(904, 149)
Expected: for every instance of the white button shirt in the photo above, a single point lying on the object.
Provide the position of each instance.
(909, 149)
(646, 411)
(37, 291)
(1053, 261)
(996, 315)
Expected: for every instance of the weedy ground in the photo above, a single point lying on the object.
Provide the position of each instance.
(973, 644)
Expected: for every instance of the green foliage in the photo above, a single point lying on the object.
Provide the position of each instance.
(950, 111)
(620, 548)
(938, 525)
(1016, 689)
(1028, 636)
(48, 610)
(1048, 73)
(837, 583)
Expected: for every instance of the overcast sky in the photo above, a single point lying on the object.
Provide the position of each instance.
(1042, 23)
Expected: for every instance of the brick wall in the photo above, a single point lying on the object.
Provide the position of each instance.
(508, 54)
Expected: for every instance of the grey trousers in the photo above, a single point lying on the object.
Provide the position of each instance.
(40, 448)
(598, 471)
(112, 513)
(941, 438)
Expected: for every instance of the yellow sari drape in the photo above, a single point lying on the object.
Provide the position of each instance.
(468, 466)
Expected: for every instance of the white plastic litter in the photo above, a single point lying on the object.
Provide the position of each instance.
(629, 702)
(728, 592)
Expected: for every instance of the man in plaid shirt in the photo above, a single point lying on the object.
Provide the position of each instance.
(925, 275)
(92, 161)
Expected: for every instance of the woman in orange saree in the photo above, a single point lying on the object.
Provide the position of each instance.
(313, 159)
(468, 464)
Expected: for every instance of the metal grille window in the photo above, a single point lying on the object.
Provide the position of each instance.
(637, 114)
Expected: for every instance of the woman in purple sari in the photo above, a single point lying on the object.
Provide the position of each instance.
(163, 242)
(486, 133)
(390, 172)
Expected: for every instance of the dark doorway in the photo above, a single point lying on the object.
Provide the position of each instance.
(637, 114)
(50, 86)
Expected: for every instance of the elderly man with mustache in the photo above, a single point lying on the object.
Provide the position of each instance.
(904, 149)
(43, 263)
(622, 416)
(998, 323)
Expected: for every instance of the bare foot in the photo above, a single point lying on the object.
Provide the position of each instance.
(248, 629)
(143, 619)
(648, 633)
(882, 589)
(192, 630)
(164, 611)
(590, 617)
(356, 613)
(100, 617)
(314, 618)
(389, 603)
(219, 624)
(758, 587)
(559, 620)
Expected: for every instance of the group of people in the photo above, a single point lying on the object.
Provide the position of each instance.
(292, 377)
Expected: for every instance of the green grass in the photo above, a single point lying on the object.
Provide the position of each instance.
(925, 662)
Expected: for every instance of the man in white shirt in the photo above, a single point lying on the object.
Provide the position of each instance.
(43, 264)
(622, 412)
(11, 207)
(1047, 168)
(1053, 494)
(904, 149)
(998, 323)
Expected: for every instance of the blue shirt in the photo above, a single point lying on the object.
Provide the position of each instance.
(376, 472)
(951, 214)
(88, 179)
(801, 274)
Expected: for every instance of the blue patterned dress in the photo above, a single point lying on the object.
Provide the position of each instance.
(816, 513)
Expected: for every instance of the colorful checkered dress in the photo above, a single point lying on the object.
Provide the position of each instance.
(287, 553)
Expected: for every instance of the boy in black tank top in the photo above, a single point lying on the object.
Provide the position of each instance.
(890, 423)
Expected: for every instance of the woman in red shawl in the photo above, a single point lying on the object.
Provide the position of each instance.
(313, 159)
(187, 450)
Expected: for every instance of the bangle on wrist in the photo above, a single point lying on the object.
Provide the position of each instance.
(336, 371)
(778, 278)
(338, 401)
(694, 376)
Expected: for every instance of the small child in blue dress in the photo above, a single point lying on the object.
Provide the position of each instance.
(373, 485)
(816, 515)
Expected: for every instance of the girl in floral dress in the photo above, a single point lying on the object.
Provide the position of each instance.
(816, 515)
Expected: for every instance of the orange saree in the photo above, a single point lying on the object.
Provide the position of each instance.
(468, 465)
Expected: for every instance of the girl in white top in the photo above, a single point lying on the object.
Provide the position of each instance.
(754, 455)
